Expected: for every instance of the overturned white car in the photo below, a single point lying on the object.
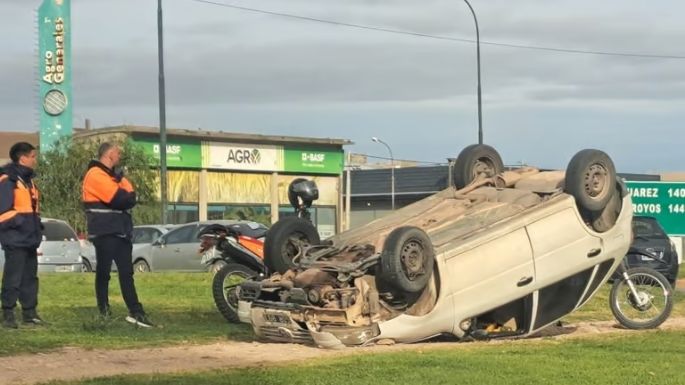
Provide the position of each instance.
(500, 254)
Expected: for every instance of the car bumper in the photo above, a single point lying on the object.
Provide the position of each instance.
(277, 325)
(61, 268)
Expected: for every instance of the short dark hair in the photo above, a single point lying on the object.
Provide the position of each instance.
(104, 147)
(20, 149)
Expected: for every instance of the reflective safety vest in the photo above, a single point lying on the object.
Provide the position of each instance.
(25, 200)
(101, 189)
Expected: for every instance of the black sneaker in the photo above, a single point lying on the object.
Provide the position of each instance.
(9, 321)
(32, 318)
(139, 319)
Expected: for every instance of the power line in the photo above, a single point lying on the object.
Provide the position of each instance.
(448, 38)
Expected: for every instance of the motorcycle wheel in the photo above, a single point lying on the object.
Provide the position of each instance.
(224, 289)
(653, 305)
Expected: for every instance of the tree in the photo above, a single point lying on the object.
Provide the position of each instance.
(60, 176)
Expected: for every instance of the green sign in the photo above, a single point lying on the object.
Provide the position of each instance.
(54, 68)
(179, 153)
(664, 201)
(313, 160)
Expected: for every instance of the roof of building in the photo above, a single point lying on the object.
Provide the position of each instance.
(212, 135)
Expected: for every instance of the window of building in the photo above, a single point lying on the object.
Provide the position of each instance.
(323, 217)
(256, 213)
(180, 213)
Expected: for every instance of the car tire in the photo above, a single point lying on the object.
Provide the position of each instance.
(475, 161)
(141, 266)
(406, 264)
(606, 219)
(590, 179)
(285, 240)
(226, 300)
(86, 267)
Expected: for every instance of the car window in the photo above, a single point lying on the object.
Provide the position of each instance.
(144, 235)
(647, 227)
(181, 235)
(58, 231)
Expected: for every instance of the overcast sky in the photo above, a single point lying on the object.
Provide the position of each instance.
(238, 71)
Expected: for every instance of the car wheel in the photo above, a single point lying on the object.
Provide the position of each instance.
(476, 161)
(406, 261)
(590, 178)
(86, 267)
(606, 219)
(224, 287)
(141, 267)
(286, 240)
(216, 266)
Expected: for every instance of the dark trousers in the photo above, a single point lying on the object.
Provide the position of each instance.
(20, 279)
(110, 248)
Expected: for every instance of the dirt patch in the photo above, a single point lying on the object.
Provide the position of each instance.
(680, 285)
(76, 363)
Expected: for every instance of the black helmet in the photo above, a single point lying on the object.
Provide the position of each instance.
(303, 189)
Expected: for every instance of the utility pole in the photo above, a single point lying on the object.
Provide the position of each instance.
(162, 113)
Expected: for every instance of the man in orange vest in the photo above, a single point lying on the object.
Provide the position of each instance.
(20, 236)
(108, 198)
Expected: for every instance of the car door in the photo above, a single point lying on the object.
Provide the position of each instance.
(565, 253)
(194, 256)
(496, 271)
(173, 249)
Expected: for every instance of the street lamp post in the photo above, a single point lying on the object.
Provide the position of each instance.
(480, 110)
(392, 171)
(162, 114)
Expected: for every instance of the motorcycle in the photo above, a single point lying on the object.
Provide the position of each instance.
(257, 256)
(640, 298)
(241, 257)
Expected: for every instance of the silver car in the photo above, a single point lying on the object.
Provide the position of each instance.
(60, 251)
(498, 254)
(147, 234)
(178, 249)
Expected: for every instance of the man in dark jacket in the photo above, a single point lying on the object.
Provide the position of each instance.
(20, 235)
(108, 198)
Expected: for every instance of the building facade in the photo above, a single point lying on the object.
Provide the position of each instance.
(217, 175)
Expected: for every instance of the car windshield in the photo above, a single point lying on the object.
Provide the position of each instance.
(647, 228)
(56, 231)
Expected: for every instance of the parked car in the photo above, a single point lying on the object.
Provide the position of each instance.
(60, 250)
(652, 248)
(178, 249)
(498, 254)
(146, 234)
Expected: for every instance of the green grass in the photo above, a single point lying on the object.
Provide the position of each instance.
(180, 304)
(644, 358)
